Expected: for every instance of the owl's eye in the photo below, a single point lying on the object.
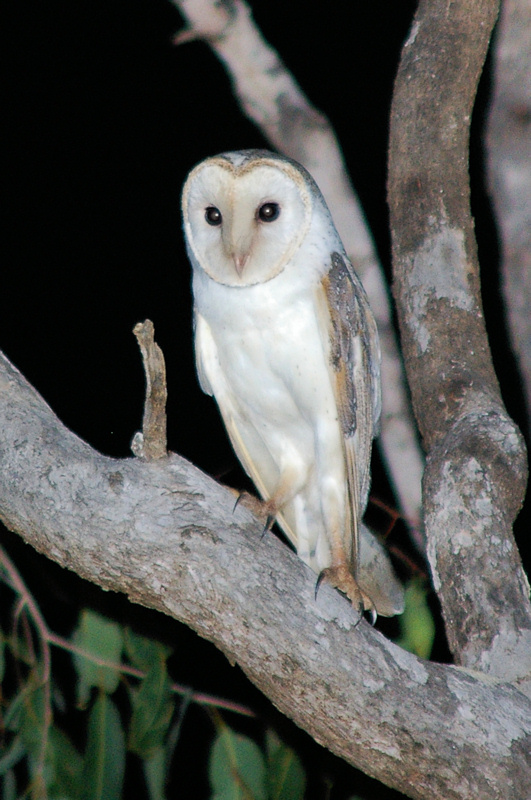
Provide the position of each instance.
(213, 215)
(269, 212)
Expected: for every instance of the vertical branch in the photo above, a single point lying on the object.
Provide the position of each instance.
(509, 163)
(476, 469)
(151, 443)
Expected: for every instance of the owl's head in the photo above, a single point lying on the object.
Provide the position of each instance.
(246, 214)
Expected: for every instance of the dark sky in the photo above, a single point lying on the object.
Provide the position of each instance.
(104, 119)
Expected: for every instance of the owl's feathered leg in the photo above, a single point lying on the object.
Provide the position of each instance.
(292, 479)
(260, 508)
(340, 577)
(339, 508)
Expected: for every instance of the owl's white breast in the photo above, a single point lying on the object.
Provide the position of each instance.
(270, 352)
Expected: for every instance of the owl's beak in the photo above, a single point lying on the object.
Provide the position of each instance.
(237, 245)
(240, 260)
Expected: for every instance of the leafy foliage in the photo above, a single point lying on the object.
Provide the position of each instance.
(101, 640)
(129, 710)
(240, 770)
(416, 623)
(41, 760)
(237, 768)
(285, 773)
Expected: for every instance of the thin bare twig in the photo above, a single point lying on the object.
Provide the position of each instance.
(151, 443)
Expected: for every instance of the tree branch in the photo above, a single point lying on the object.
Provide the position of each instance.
(476, 467)
(272, 99)
(164, 533)
(509, 162)
(151, 442)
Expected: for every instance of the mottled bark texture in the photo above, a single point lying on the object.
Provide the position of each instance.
(509, 171)
(151, 442)
(166, 535)
(476, 469)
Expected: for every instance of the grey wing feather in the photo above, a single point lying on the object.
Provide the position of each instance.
(354, 355)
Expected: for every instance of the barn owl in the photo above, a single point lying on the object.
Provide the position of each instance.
(286, 343)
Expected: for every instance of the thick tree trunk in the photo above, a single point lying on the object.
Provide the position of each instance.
(476, 470)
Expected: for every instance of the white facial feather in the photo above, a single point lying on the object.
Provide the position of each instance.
(286, 343)
(243, 249)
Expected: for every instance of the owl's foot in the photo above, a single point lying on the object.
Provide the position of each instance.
(260, 508)
(340, 577)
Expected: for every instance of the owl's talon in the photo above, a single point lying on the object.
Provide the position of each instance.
(237, 503)
(340, 577)
(373, 616)
(324, 576)
(260, 508)
(318, 582)
(250, 502)
(270, 521)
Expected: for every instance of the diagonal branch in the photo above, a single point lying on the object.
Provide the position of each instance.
(164, 533)
(476, 468)
(272, 99)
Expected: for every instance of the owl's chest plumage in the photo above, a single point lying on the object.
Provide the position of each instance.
(270, 350)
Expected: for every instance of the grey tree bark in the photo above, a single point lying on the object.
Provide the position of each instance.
(476, 469)
(165, 534)
(509, 166)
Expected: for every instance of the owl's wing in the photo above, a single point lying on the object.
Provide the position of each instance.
(204, 351)
(350, 338)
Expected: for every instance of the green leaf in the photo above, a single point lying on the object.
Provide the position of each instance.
(103, 639)
(236, 768)
(153, 706)
(286, 777)
(67, 765)
(9, 786)
(155, 773)
(416, 623)
(30, 715)
(54, 763)
(143, 652)
(27, 715)
(104, 761)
